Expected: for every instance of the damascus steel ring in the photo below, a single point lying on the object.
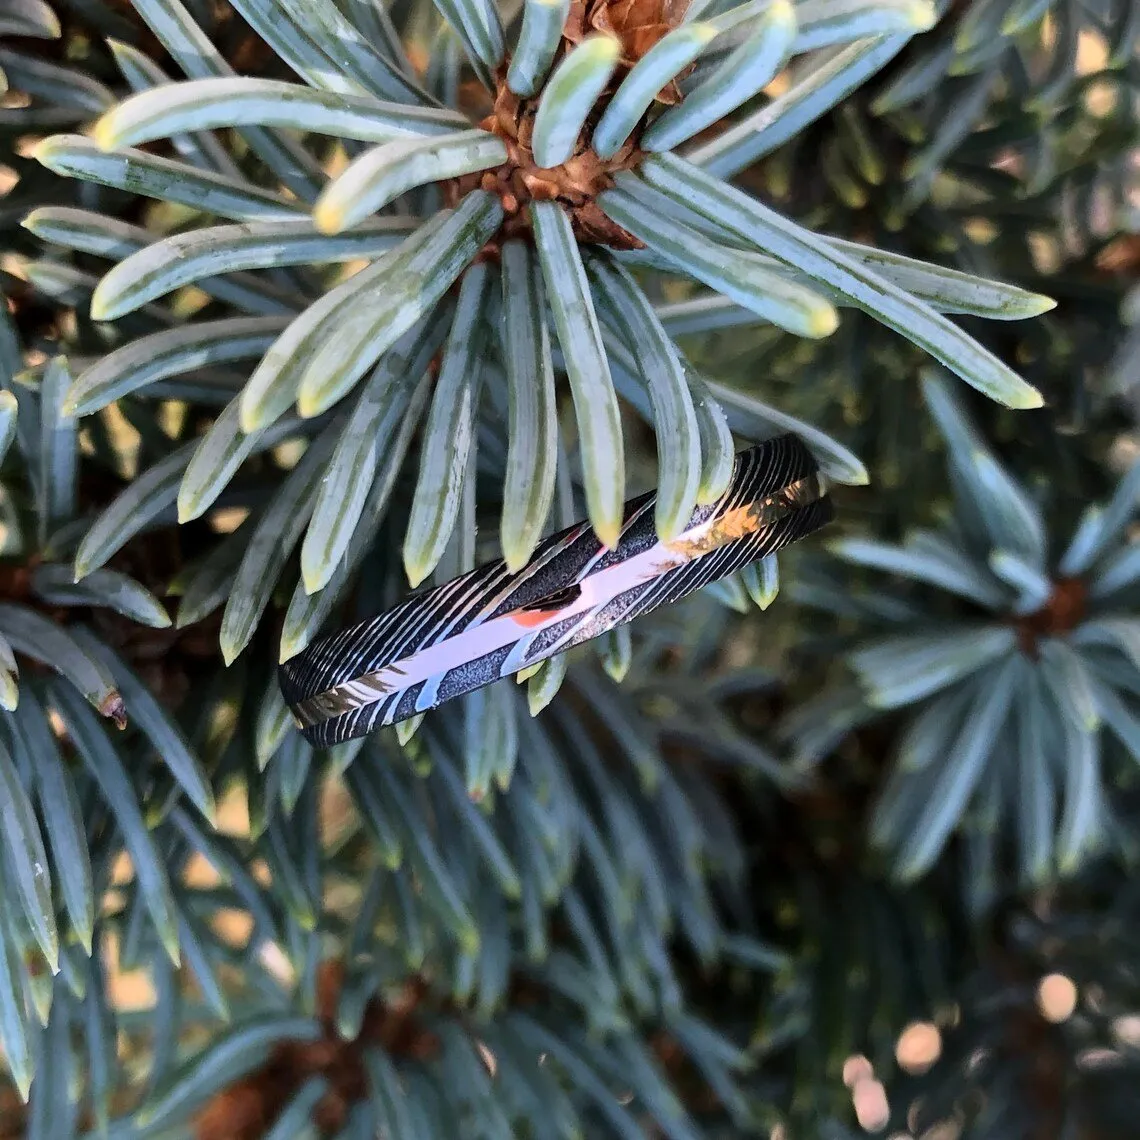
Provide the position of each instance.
(490, 623)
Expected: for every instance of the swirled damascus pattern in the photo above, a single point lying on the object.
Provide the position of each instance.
(491, 623)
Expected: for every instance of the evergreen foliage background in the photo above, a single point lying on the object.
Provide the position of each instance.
(307, 302)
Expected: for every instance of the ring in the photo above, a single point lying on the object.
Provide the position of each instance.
(490, 623)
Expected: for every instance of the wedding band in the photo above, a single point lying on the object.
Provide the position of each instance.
(490, 623)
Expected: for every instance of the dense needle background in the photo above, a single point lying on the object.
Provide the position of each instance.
(843, 845)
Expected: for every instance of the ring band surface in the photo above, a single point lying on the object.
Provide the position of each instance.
(490, 623)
